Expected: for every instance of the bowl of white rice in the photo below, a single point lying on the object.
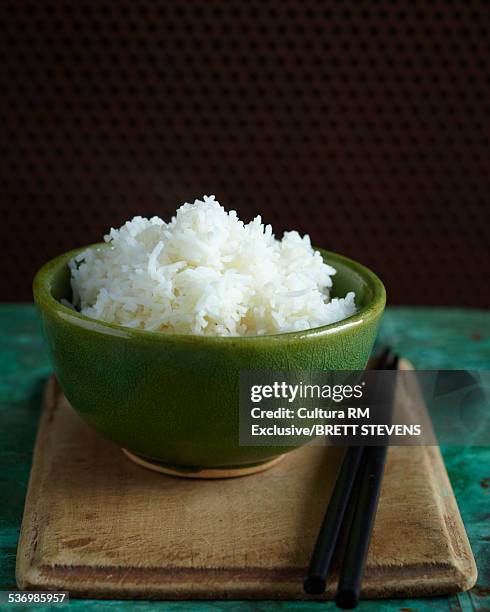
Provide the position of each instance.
(148, 331)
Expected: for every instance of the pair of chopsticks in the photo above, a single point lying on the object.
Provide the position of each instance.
(358, 485)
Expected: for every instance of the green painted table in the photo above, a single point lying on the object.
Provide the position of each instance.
(430, 338)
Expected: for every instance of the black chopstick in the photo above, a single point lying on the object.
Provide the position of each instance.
(319, 567)
(316, 576)
(357, 546)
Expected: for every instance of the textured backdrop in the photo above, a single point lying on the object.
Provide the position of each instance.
(364, 124)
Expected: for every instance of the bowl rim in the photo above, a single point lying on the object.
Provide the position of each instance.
(46, 302)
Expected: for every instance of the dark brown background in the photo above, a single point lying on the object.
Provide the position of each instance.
(364, 124)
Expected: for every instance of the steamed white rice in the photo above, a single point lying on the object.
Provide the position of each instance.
(207, 273)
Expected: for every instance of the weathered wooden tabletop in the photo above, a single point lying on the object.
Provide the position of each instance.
(430, 338)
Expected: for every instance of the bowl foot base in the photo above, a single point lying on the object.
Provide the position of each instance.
(204, 473)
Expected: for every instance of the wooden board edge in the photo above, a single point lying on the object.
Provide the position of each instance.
(26, 572)
(464, 566)
(250, 583)
(464, 569)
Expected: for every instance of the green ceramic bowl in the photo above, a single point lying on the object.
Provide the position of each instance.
(174, 398)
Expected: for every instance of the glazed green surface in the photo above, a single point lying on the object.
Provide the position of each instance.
(174, 398)
(430, 338)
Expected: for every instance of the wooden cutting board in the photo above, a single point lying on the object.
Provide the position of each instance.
(99, 526)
